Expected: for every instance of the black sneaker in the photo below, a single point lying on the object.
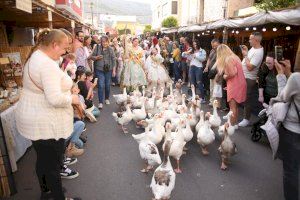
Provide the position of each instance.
(83, 138)
(46, 195)
(70, 161)
(67, 173)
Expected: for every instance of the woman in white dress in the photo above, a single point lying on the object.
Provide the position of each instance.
(157, 75)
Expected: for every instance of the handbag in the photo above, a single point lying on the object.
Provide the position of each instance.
(217, 91)
(276, 115)
(88, 103)
(212, 72)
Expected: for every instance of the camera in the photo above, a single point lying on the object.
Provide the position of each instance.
(106, 68)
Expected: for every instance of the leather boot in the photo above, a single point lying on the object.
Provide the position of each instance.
(72, 150)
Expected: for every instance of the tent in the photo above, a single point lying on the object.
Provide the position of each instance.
(287, 16)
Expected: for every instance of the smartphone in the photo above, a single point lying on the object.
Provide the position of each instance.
(96, 80)
(241, 47)
(278, 53)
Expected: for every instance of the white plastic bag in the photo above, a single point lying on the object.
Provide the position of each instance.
(217, 92)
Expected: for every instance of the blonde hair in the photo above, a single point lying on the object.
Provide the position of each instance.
(224, 53)
(47, 37)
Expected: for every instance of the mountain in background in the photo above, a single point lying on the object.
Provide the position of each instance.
(121, 7)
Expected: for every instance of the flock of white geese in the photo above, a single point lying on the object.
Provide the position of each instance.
(170, 119)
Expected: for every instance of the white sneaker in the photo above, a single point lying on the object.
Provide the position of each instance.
(90, 115)
(244, 123)
(100, 106)
(107, 102)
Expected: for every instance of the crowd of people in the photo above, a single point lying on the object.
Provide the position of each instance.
(62, 72)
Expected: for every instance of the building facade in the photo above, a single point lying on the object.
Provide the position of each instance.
(190, 12)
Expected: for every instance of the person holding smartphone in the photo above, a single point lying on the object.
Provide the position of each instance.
(251, 62)
(289, 131)
(105, 68)
(267, 83)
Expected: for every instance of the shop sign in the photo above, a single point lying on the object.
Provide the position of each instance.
(49, 2)
(25, 5)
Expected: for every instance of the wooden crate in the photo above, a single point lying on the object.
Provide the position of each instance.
(24, 51)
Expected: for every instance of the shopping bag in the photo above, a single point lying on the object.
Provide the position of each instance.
(217, 92)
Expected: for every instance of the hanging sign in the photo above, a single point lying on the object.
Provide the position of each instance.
(25, 5)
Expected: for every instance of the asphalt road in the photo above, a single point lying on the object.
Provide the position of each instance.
(109, 169)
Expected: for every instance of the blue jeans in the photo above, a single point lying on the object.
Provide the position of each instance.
(104, 79)
(177, 70)
(289, 151)
(196, 78)
(78, 129)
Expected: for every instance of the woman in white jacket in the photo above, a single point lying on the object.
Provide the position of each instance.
(289, 132)
(44, 113)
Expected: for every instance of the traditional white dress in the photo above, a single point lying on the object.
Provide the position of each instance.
(157, 74)
(133, 74)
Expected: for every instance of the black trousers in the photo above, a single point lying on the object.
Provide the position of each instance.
(289, 150)
(48, 165)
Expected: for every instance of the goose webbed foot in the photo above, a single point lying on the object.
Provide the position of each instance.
(124, 130)
(205, 151)
(223, 165)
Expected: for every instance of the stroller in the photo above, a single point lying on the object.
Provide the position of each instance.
(257, 131)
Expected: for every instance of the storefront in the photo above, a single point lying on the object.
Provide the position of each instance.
(280, 27)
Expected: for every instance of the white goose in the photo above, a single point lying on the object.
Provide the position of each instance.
(148, 151)
(121, 98)
(123, 118)
(178, 143)
(157, 131)
(197, 105)
(139, 114)
(193, 121)
(230, 129)
(215, 119)
(193, 99)
(227, 148)
(163, 180)
(205, 136)
(178, 92)
(187, 131)
(183, 104)
(201, 121)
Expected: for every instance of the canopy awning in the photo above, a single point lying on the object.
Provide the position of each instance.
(38, 18)
(287, 16)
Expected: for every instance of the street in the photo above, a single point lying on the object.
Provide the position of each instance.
(109, 169)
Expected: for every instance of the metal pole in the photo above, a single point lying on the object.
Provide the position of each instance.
(225, 31)
(92, 4)
(225, 35)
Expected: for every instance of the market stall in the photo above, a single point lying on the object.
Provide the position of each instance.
(18, 25)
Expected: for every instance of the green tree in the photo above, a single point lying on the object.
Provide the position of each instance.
(169, 22)
(148, 28)
(123, 31)
(274, 4)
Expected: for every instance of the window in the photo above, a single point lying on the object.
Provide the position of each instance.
(164, 10)
(174, 8)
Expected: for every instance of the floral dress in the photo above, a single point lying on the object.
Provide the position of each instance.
(133, 74)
